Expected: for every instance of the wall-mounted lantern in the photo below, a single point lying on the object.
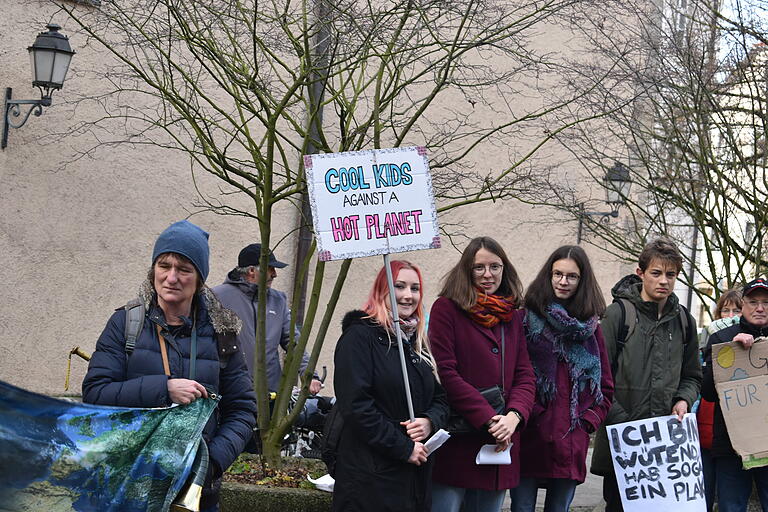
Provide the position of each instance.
(617, 183)
(50, 55)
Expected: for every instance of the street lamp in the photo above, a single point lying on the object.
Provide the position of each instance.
(617, 183)
(50, 55)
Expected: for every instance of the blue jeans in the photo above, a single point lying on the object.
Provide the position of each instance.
(560, 493)
(450, 499)
(734, 485)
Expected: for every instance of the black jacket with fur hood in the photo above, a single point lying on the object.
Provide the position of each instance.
(372, 469)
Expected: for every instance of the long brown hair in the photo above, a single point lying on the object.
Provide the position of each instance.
(585, 303)
(459, 283)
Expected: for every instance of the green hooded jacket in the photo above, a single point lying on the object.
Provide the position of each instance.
(656, 368)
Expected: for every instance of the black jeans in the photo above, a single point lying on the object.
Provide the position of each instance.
(611, 494)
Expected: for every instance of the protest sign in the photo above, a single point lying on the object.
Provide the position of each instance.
(658, 464)
(372, 202)
(741, 379)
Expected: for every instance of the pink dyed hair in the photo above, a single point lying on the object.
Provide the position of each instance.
(378, 308)
(378, 305)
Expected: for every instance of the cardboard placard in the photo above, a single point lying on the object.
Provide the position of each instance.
(658, 464)
(372, 202)
(741, 380)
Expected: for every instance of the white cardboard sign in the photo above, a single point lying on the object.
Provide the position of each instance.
(658, 464)
(372, 202)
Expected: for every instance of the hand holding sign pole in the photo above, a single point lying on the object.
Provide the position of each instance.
(366, 203)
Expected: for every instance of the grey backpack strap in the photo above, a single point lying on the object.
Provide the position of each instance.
(134, 321)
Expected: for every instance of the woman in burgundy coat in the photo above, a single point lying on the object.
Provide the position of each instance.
(475, 313)
(574, 387)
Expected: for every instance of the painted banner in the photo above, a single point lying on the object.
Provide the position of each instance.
(372, 202)
(658, 464)
(741, 379)
(59, 455)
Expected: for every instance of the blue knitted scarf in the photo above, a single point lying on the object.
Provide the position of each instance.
(559, 337)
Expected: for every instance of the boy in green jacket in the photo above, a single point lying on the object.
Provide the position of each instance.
(656, 370)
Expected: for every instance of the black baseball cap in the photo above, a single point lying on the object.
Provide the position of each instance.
(757, 284)
(251, 254)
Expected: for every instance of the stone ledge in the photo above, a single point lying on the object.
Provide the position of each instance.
(237, 497)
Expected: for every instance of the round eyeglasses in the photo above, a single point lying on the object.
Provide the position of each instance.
(494, 268)
(571, 278)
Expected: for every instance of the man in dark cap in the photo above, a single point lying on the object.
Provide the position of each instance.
(240, 293)
(734, 484)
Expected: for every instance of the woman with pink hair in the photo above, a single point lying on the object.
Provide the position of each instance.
(381, 461)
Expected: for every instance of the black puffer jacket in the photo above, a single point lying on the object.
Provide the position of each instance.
(372, 472)
(721, 441)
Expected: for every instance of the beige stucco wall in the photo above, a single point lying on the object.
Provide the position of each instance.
(76, 239)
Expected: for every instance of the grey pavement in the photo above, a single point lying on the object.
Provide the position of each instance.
(588, 497)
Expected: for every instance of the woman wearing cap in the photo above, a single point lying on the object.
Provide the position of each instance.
(476, 332)
(381, 461)
(180, 313)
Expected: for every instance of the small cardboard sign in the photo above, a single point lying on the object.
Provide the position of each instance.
(741, 380)
(372, 202)
(658, 464)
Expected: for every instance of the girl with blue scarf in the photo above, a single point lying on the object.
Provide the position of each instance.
(574, 387)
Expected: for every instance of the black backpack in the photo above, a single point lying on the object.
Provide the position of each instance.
(629, 322)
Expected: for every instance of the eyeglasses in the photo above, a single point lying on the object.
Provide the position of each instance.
(755, 303)
(494, 268)
(571, 278)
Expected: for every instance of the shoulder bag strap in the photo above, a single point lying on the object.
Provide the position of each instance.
(502, 359)
(163, 352)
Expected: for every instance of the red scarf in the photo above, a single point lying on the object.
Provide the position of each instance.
(489, 310)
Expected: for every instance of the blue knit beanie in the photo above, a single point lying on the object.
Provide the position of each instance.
(186, 239)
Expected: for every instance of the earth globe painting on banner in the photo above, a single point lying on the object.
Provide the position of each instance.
(59, 455)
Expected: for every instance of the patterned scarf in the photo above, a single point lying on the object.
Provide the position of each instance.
(567, 339)
(408, 326)
(489, 310)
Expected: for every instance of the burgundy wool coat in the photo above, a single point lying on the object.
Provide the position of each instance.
(547, 448)
(469, 357)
